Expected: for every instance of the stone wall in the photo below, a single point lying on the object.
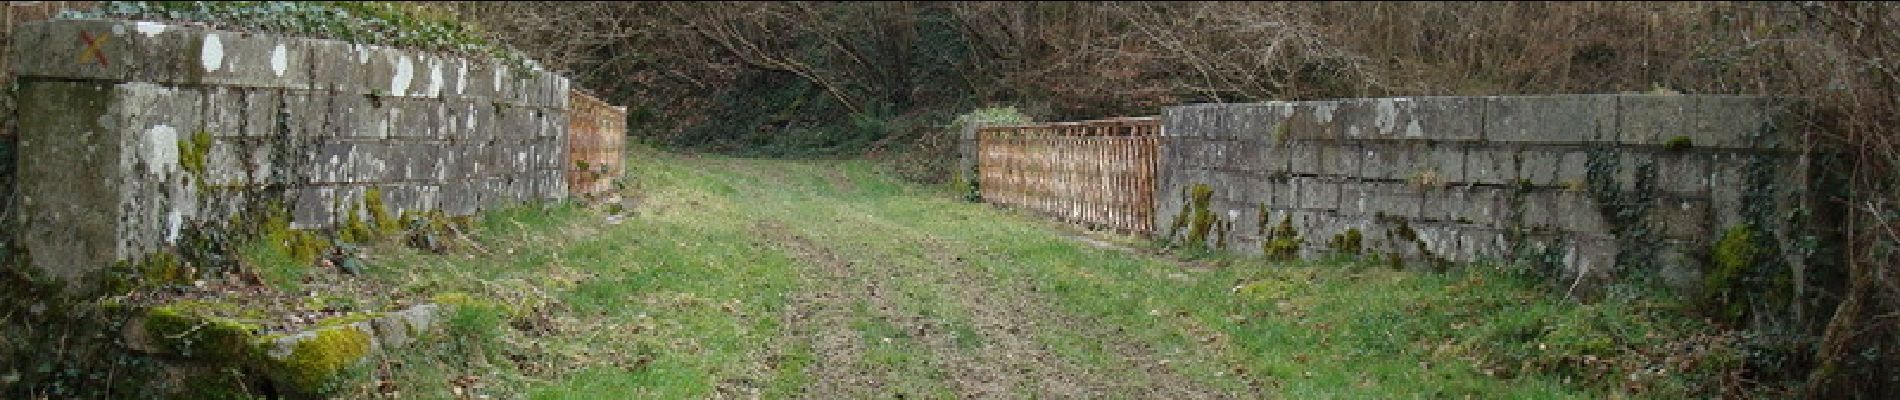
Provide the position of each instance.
(132, 133)
(1585, 182)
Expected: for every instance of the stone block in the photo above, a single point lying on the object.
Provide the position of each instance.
(1389, 199)
(417, 118)
(1653, 119)
(307, 114)
(461, 197)
(338, 66)
(107, 50)
(1316, 193)
(1478, 205)
(1390, 161)
(241, 111)
(1411, 118)
(360, 116)
(1550, 119)
(313, 207)
(1491, 165)
(1682, 218)
(253, 60)
(1682, 173)
(1541, 166)
(1740, 122)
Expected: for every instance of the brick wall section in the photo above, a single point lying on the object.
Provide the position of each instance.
(597, 132)
(1493, 178)
(111, 113)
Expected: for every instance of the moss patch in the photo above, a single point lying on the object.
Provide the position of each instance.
(1678, 144)
(314, 365)
(193, 151)
(1283, 242)
(1202, 219)
(1732, 256)
(195, 329)
(1347, 242)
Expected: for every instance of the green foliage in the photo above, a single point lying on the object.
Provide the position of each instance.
(1202, 219)
(1347, 242)
(1283, 242)
(1733, 256)
(281, 255)
(192, 152)
(1679, 143)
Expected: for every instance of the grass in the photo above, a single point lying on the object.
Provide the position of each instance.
(818, 278)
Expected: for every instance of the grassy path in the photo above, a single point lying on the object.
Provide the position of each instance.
(736, 278)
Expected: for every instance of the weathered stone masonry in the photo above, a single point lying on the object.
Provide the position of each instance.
(1587, 182)
(133, 131)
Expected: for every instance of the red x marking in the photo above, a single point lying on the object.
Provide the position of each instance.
(94, 48)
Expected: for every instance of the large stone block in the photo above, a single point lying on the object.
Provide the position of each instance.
(1551, 119)
(1682, 173)
(253, 60)
(1478, 205)
(1317, 193)
(1389, 199)
(109, 50)
(1741, 122)
(1491, 165)
(337, 66)
(1653, 119)
(1411, 118)
(241, 111)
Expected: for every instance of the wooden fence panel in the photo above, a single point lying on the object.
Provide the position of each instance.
(1095, 173)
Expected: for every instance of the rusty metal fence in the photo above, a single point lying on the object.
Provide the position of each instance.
(1097, 173)
(596, 133)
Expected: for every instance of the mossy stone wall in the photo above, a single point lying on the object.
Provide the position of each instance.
(1583, 187)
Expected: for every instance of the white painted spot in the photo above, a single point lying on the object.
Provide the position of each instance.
(173, 222)
(461, 76)
(213, 54)
(1385, 116)
(435, 78)
(149, 28)
(279, 60)
(1413, 130)
(161, 150)
(362, 53)
(497, 79)
(1324, 110)
(405, 71)
(118, 30)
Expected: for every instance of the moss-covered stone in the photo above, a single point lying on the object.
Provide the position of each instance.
(316, 363)
(200, 330)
